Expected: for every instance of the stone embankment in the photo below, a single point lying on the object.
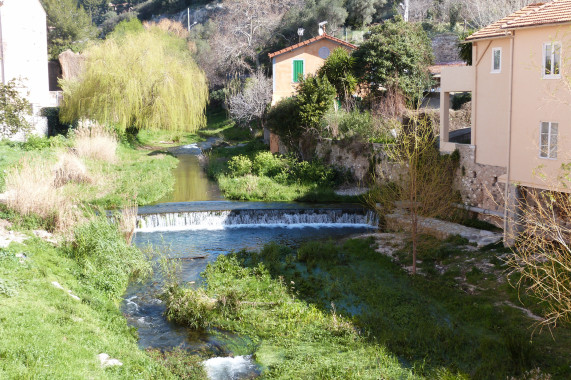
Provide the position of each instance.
(442, 229)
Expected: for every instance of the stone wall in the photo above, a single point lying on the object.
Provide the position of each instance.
(445, 48)
(478, 184)
(363, 160)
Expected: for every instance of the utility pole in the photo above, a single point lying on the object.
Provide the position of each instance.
(406, 7)
(188, 18)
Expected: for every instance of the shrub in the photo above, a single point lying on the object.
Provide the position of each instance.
(34, 142)
(314, 172)
(108, 262)
(95, 142)
(266, 164)
(192, 308)
(356, 123)
(70, 168)
(239, 166)
(283, 120)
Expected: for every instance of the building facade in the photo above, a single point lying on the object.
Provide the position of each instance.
(24, 54)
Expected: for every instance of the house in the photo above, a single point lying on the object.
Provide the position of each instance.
(296, 61)
(301, 59)
(24, 54)
(521, 97)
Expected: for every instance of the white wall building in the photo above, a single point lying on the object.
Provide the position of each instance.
(24, 54)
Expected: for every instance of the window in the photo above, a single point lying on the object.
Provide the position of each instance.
(548, 140)
(297, 70)
(552, 60)
(496, 60)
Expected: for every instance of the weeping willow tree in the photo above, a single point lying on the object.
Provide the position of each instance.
(139, 80)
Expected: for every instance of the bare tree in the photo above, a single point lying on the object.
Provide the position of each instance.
(541, 258)
(486, 12)
(246, 25)
(426, 177)
(251, 103)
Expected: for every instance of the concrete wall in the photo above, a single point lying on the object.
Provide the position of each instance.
(282, 66)
(24, 53)
(491, 103)
(23, 40)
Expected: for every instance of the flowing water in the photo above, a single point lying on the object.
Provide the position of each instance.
(194, 227)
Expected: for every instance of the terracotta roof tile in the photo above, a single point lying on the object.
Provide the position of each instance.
(310, 41)
(497, 30)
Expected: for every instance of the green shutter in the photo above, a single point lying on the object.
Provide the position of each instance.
(297, 70)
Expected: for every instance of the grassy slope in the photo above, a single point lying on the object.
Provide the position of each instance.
(429, 322)
(48, 334)
(44, 332)
(136, 174)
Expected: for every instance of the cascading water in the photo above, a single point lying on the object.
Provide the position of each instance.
(220, 219)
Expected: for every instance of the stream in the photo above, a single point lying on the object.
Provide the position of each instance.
(194, 225)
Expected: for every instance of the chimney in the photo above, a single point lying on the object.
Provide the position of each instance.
(322, 28)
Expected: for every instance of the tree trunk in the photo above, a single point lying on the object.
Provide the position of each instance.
(414, 237)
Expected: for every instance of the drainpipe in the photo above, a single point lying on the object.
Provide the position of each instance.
(507, 194)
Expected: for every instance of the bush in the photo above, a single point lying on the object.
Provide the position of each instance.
(283, 120)
(266, 164)
(239, 166)
(460, 99)
(356, 123)
(313, 172)
(95, 142)
(35, 142)
(108, 262)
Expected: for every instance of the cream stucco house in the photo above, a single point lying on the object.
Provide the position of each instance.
(299, 60)
(520, 81)
(521, 91)
(24, 53)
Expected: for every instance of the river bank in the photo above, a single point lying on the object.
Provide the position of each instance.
(60, 291)
(351, 310)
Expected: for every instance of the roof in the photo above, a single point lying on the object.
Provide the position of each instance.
(436, 70)
(312, 40)
(538, 14)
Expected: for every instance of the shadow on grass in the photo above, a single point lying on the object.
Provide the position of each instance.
(427, 321)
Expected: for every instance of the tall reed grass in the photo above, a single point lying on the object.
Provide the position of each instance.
(31, 190)
(128, 221)
(96, 142)
(70, 168)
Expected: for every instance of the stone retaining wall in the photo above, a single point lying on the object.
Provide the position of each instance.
(478, 184)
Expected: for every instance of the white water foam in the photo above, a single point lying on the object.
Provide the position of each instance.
(219, 220)
(229, 368)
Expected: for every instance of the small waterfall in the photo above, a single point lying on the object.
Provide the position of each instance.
(240, 367)
(220, 219)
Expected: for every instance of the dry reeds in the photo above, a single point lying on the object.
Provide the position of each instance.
(70, 168)
(170, 26)
(128, 221)
(31, 190)
(541, 260)
(95, 142)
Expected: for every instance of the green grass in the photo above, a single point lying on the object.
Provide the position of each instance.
(162, 138)
(284, 297)
(251, 173)
(136, 175)
(48, 334)
(294, 339)
(219, 125)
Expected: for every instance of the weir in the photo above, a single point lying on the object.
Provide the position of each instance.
(221, 219)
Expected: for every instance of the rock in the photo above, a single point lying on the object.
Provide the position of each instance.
(71, 64)
(107, 361)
